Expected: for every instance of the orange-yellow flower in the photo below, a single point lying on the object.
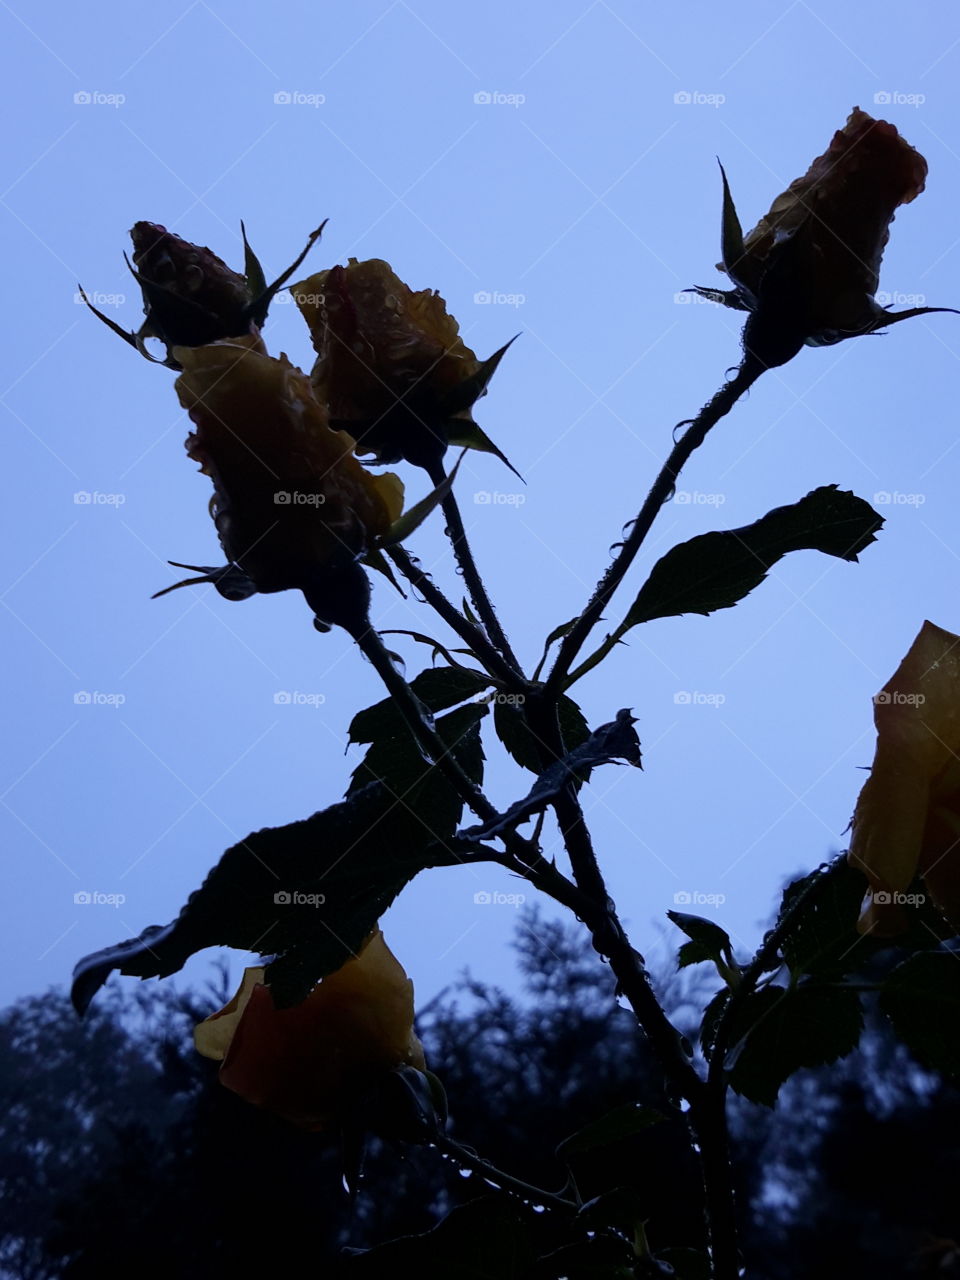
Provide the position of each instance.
(907, 819)
(810, 268)
(291, 502)
(308, 1062)
(391, 365)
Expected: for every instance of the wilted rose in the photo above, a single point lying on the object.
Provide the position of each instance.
(310, 1062)
(809, 270)
(907, 819)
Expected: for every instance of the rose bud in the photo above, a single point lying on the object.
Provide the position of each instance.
(810, 268)
(190, 296)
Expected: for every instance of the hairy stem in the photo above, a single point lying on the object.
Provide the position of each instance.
(660, 492)
(420, 722)
(471, 575)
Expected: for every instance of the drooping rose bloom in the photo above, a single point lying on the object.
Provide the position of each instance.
(907, 819)
(309, 1062)
(293, 506)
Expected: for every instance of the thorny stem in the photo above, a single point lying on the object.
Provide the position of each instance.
(505, 1181)
(721, 404)
(707, 1116)
(522, 857)
(420, 722)
(473, 636)
(471, 575)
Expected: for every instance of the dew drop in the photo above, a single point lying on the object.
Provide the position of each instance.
(538, 1208)
(465, 1173)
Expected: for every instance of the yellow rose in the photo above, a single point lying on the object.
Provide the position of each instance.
(810, 268)
(292, 504)
(907, 818)
(391, 365)
(307, 1062)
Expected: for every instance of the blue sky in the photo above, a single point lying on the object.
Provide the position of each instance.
(551, 170)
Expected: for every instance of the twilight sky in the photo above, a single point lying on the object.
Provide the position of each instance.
(550, 169)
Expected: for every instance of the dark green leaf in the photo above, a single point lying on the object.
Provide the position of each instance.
(710, 1021)
(822, 939)
(520, 742)
(556, 634)
(807, 1026)
(414, 516)
(694, 953)
(469, 436)
(437, 688)
(716, 570)
(427, 808)
(252, 270)
(708, 940)
(467, 392)
(622, 1122)
(731, 233)
(614, 741)
(921, 997)
(308, 893)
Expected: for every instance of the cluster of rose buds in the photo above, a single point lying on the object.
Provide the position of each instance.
(293, 506)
